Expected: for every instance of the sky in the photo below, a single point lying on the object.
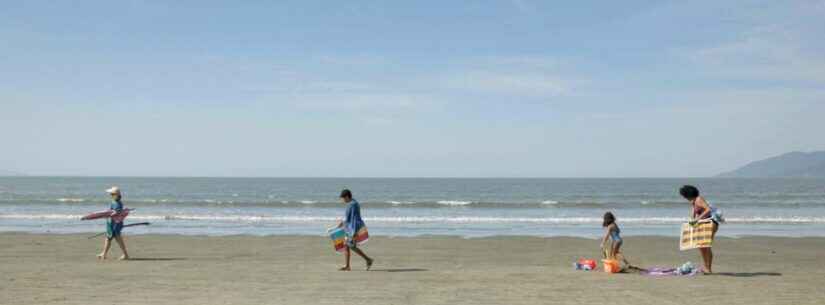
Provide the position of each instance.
(515, 88)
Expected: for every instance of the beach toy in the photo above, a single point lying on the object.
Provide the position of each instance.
(339, 238)
(586, 264)
(687, 268)
(579, 266)
(611, 265)
(362, 236)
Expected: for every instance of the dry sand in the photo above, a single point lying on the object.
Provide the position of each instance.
(62, 269)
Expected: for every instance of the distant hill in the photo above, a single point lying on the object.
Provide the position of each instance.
(795, 164)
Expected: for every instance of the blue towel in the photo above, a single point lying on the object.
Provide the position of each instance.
(353, 222)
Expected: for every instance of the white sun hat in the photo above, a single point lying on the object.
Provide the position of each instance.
(114, 190)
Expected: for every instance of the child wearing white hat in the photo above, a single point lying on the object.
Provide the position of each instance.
(114, 224)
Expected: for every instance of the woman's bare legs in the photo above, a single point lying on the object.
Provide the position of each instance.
(122, 244)
(707, 253)
(107, 243)
(707, 257)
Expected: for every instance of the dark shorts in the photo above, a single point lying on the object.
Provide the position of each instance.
(351, 244)
(113, 229)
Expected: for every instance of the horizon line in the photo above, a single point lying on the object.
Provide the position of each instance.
(374, 177)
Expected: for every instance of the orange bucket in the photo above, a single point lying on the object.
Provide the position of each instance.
(611, 265)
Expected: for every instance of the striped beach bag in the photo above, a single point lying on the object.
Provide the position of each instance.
(696, 236)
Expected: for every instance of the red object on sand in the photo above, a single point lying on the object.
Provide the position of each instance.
(588, 262)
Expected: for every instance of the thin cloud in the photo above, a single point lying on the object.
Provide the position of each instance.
(768, 52)
(532, 85)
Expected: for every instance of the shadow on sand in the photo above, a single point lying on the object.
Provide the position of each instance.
(400, 270)
(748, 274)
(157, 259)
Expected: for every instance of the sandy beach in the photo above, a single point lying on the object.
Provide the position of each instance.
(62, 269)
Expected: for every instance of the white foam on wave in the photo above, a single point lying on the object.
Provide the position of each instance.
(308, 202)
(428, 219)
(550, 202)
(71, 200)
(393, 202)
(454, 202)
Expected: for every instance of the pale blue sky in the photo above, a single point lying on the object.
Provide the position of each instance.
(427, 88)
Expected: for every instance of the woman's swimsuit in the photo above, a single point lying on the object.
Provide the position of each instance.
(697, 210)
(614, 235)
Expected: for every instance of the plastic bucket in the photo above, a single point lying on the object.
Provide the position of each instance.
(611, 265)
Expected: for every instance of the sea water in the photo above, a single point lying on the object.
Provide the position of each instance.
(412, 207)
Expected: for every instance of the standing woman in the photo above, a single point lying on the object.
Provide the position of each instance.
(701, 210)
(115, 224)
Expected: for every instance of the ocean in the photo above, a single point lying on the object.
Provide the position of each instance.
(412, 206)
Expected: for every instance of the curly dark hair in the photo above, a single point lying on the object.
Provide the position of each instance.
(689, 192)
(609, 219)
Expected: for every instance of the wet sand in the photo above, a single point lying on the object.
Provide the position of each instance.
(62, 269)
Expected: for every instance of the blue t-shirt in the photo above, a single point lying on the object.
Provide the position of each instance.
(116, 206)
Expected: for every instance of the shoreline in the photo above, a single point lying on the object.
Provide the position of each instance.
(182, 269)
(423, 236)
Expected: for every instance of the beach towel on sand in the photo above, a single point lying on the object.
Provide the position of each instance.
(696, 236)
(667, 272)
(687, 269)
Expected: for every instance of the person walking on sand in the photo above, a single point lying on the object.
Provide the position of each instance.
(701, 210)
(114, 225)
(355, 228)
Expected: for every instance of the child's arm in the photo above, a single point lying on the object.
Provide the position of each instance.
(606, 235)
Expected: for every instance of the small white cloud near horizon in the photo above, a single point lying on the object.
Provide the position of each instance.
(530, 85)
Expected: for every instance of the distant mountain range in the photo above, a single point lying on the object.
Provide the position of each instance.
(794, 164)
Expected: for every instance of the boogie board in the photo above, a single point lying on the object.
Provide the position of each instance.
(106, 214)
(362, 236)
(339, 239)
(696, 236)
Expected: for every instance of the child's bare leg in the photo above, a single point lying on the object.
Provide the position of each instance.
(364, 255)
(614, 251)
(122, 244)
(346, 260)
(107, 243)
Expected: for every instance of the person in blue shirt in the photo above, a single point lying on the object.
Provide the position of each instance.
(114, 225)
(355, 228)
